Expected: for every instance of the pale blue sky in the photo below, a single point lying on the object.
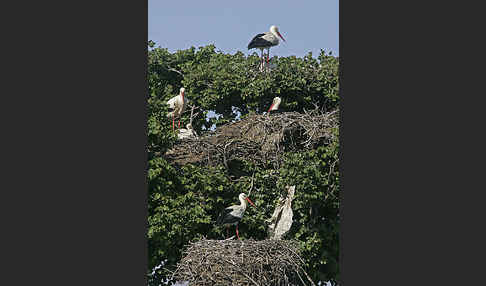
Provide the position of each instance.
(306, 25)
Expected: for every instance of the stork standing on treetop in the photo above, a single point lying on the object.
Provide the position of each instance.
(266, 41)
(178, 105)
(233, 214)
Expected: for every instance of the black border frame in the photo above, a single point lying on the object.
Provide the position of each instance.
(75, 161)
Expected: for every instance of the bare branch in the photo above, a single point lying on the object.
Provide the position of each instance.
(192, 113)
(251, 185)
(174, 70)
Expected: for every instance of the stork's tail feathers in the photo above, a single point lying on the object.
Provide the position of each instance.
(219, 220)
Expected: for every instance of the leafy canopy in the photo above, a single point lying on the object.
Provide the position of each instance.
(185, 201)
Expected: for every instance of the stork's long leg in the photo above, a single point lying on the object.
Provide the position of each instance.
(237, 235)
(179, 125)
(268, 55)
(173, 122)
(262, 56)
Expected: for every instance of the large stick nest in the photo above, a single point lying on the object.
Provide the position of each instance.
(260, 138)
(236, 262)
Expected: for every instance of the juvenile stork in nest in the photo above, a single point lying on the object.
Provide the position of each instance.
(187, 133)
(266, 41)
(232, 215)
(177, 105)
(275, 104)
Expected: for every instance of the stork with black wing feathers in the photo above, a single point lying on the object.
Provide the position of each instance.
(266, 41)
(232, 215)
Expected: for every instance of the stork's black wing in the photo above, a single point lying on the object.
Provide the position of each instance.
(226, 218)
(258, 41)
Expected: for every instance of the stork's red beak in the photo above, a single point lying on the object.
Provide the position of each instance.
(248, 199)
(270, 108)
(281, 36)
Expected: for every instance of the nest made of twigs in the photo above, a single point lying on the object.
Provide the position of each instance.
(260, 138)
(242, 262)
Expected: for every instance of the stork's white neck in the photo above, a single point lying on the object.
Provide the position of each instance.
(243, 203)
(273, 30)
(274, 34)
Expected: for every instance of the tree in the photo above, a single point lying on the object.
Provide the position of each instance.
(184, 201)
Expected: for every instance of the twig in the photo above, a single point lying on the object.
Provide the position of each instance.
(251, 185)
(174, 70)
(224, 153)
(331, 169)
(237, 268)
(192, 112)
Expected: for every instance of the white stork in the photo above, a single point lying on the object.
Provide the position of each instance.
(233, 214)
(178, 105)
(266, 41)
(187, 133)
(275, 104)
